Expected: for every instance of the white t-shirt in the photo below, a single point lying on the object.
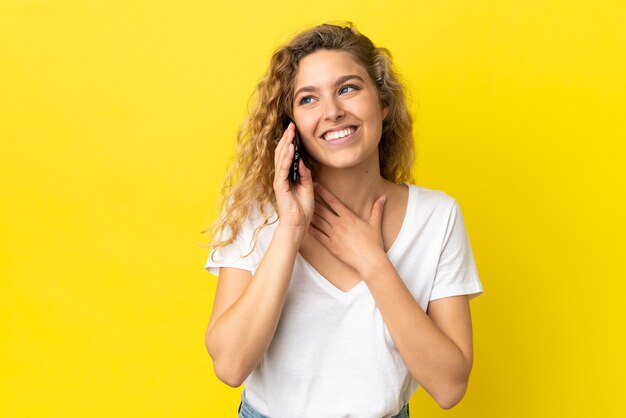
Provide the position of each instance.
(332, 355)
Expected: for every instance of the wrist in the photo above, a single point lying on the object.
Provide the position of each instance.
(374, 266)
(290, 234)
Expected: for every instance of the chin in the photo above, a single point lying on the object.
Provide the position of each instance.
(342, 164)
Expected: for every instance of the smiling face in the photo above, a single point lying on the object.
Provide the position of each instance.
(337, 110)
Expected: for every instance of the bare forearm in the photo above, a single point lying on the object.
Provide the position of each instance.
(432, 358)
(240, 337)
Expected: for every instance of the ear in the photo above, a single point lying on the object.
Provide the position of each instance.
(385, 112)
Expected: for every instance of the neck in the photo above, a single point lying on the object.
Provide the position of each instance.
(356, 187)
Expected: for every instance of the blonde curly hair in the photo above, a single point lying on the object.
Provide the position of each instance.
(248, 183)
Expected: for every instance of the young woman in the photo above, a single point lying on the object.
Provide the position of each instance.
(342, 292)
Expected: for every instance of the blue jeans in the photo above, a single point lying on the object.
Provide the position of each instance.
(247, 411)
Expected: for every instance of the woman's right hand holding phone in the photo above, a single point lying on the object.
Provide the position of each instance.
(295, 202)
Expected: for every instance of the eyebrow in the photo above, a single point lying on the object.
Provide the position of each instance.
(340, 80)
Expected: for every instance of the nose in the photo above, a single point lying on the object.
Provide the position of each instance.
(333, 110)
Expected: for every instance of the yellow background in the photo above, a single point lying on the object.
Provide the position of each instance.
(117, 121)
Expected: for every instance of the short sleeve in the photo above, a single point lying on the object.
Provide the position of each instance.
(456, 271)
(238, 254)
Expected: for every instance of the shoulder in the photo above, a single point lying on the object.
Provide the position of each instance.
(429, 200)
(259, 215)
(260, 224)
(246, 220)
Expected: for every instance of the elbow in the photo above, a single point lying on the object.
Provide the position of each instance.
(224, 370)
(451, 397)
(453, 392)
(226, 375)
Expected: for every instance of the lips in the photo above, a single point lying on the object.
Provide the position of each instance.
(339, 133)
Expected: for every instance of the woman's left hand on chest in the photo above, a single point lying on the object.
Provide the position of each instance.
(353, 240)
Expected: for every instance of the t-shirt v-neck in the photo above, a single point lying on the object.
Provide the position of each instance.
(360, 287)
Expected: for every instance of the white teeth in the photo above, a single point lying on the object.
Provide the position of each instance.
(331, 136)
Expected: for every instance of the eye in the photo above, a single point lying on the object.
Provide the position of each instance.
(305, 100)
(348, 88)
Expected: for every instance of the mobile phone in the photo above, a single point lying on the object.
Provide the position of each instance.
(293, 170)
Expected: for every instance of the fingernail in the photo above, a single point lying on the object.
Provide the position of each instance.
(315, 184)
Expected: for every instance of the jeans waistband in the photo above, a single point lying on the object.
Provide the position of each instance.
(247, 411)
